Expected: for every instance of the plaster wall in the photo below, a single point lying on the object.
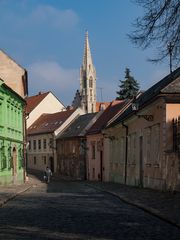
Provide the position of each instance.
(95, 164)
(39, 158)
(115, 143)
(12, 73)
(147, 170)
(50, 104)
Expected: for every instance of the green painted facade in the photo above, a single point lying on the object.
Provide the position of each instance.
(11, 136)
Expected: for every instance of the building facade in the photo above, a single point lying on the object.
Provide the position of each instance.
(141, 151)
(11, 136)
(97, 163)
(41, 136)
(71, 147)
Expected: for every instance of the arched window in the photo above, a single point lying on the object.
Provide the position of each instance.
(91, 82)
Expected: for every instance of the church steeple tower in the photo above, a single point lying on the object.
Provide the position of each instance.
(88, 80)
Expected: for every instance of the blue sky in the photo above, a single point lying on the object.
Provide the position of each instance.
(47, 38)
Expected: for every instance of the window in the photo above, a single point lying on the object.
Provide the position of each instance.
(51, 143)
(93, 151)
(44, 143)
(132, 148)
(91, 92)
(73, 148)
(39, 144)
(91, 82)
(34, 160)
(155, 152)
(147, 149)
(122, 149)
(34, 144)
(29, 144)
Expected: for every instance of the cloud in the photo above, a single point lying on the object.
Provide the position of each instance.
(50, 76)
(60, 19)
(41, 15)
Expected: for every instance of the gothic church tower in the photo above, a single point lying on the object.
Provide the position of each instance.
(86, 96)
(88, 80)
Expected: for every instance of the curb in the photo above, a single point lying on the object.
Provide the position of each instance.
(14, 195)
(149, 210)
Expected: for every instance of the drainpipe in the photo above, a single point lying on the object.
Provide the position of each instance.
(126, 154)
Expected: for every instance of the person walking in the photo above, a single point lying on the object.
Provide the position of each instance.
(48, 174)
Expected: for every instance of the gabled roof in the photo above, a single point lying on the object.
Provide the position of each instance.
(48, 123)
(164, 86)
(108, 113)
(34, 101)
(78, 127)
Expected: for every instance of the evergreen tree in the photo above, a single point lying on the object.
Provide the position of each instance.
(128, 87)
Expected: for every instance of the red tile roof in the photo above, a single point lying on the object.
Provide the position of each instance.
(108, 113)
(48, 123)
(33, 101)
(100, 105)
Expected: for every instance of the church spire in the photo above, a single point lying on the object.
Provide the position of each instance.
(87, 59)
(88, 80)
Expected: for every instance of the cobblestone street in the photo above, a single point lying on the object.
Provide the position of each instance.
(75, 210)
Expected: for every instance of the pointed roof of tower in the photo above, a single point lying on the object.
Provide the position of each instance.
(87, 59)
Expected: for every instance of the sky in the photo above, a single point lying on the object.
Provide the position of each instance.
(46, 37)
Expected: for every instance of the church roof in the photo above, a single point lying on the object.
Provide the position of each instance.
(48, 123)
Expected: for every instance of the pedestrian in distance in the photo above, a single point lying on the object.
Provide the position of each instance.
(47, 174)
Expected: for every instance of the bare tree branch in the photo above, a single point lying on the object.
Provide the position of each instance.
(159, 26)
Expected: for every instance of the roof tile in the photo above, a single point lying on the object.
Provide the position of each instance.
(108, 113)
(48, 123)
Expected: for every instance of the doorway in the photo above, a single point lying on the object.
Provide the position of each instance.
(14, 162)
(51, 163)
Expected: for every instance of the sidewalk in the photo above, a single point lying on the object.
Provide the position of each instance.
(164, 205)
(11, 191)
